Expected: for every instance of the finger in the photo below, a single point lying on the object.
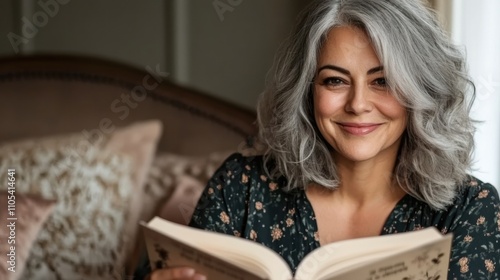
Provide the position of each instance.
(172, 273)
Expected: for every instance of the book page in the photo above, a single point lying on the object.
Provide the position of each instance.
(334, 258)
(430, 261)
(240, 257)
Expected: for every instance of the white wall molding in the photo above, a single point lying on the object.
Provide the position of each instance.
(180, 41)
(27, 9)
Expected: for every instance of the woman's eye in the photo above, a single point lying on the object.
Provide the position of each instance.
(333, 81)
(380, 82)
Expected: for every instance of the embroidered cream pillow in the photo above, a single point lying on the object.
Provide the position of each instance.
(169, 170)
(97, 184)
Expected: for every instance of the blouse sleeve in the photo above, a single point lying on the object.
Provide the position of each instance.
(222, 206)
(476, 242)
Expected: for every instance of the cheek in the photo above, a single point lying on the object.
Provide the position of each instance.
(393, 110)
(326, 104)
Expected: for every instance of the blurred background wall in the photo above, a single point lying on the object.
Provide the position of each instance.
(225, 47)
(475, 27)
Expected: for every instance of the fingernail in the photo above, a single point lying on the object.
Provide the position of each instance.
(187, 272)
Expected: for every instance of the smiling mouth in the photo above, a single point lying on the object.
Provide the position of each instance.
(359, 129)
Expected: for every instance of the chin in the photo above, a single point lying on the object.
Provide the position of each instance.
(359, 158)
(356, 156)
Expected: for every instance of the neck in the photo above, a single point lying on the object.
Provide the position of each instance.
(367, 181)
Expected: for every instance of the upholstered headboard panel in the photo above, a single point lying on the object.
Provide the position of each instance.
(47, 95)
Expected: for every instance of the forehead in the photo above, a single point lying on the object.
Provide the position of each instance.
(348, 35)
(347, 43)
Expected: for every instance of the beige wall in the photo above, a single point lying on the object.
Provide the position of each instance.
(444, 12)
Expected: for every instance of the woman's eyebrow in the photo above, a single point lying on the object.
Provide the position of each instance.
(375, 70)
(335, 68)
(346, 72)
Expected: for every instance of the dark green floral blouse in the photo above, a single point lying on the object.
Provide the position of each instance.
(240, 200)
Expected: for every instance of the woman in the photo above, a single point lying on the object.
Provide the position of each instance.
(367, 129)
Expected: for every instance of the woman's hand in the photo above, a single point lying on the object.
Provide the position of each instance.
(177, 273)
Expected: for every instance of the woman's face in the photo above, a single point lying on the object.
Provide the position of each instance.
(355, 111)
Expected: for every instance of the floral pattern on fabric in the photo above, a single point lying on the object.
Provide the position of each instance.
(241, 200)
(474, 220)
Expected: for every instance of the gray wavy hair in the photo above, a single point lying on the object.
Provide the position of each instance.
(426, 72)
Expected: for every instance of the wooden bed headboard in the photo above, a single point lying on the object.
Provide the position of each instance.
(49, 95)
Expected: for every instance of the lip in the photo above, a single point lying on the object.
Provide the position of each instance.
(359, 129)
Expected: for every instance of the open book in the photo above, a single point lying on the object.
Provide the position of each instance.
(422, 254)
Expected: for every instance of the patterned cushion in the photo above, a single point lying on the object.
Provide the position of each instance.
(30, 213)
(181, 204)
(97, 184)
(171, 173)
(169, 170)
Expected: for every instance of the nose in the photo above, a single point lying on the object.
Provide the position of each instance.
(357, 101)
